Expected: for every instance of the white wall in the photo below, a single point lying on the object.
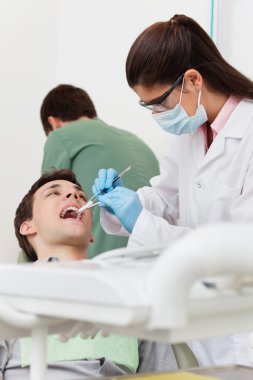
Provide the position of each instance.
(95, 37)
(83, 42)
(235, 31)
(28, 62)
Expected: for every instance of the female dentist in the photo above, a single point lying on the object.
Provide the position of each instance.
(207, 174)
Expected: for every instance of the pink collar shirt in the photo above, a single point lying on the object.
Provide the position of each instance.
(224, 114)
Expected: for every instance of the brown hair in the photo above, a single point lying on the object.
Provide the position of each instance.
(66, 102)
(166, 50)
(25, 209)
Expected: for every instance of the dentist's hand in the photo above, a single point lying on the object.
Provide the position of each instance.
(124, 204)
(104, 181)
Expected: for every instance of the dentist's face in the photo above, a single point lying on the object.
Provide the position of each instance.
(54, 219)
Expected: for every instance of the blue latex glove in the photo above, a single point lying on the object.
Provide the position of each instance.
(104, 181)
(124, 204)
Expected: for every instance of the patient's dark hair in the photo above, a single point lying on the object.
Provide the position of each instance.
(67, 103)
(25, 209)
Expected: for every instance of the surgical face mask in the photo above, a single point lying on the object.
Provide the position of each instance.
(177, 121)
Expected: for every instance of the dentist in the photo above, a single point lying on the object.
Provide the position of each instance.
(207, 174)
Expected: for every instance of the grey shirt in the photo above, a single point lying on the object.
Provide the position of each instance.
(153, 356)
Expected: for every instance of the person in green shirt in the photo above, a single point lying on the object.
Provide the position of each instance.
(78, 140)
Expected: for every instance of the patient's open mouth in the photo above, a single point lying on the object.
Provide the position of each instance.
(70, 213)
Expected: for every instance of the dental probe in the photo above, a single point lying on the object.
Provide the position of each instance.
(90, 203)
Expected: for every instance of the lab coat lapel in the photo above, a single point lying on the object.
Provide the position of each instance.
(215, 150)
(199, 147)
(234, 128)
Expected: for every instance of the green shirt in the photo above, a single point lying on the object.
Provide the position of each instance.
(122, 350)
(85, 146)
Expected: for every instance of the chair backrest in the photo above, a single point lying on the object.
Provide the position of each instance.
(23, 258)
(184, 356)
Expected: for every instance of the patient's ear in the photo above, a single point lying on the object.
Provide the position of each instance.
(92, 239)
(55, 122)
(27, 228)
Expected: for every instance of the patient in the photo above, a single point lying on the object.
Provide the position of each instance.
(46, 224)
(48, 229)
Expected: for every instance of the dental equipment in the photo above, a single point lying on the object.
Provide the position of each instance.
(90, 202)
(88, 205)
(153, 293)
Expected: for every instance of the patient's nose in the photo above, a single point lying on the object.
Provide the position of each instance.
(72, 195)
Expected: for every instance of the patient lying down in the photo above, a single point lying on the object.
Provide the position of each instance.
(48, 229)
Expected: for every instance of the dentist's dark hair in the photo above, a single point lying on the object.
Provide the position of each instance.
(166, 50)
(24, 211)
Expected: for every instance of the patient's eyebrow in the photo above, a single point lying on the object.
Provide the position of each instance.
(55, 185)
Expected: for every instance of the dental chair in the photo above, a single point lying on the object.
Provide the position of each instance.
(183, 354)
(189, 290)
(23, 257)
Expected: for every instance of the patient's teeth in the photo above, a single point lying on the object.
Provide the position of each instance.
(71, 208)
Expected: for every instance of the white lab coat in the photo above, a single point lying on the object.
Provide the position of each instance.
(195, 188)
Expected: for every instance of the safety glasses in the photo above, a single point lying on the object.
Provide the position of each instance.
(157, 104)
